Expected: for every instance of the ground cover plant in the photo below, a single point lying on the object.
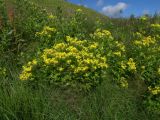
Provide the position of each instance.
(58, 66)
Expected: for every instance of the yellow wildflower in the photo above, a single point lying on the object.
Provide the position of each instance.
(121, 46)
(61, 69)
(27, 70)
(139, 35)
(34, 62)
(148, 40)
(131, 64)
(123, 82)
(155, 26)
(143, 18)
(137, 42)
(25, 76)
(103, 33)
(123, 65)
(59, 46)
(79, 10)
(94, 46)
(155, 90)
(159, 71)
(118, 53)
(46, 31)
(3, 71)
(51, 16)
(143, 67)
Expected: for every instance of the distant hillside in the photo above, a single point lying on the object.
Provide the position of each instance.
(69, 8)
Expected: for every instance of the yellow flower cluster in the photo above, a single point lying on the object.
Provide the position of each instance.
(2, 71)
(93, 46)
(155, 26)
(75, 41)
(155, 90)
(79, 10)
(52, 16)
(27, 70)
(146, 41)
(74, 51)
(143, 67)
(102, 34)
(123, 65)
(118, 53)
(123, 82)
(120, 46)
(46, 31)
(60, 46)
(131, 64)
(159, 71)
(139, 35)
(143, 18)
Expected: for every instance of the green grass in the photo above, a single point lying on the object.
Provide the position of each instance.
(107, 102)
(69, 8)
(19, 101)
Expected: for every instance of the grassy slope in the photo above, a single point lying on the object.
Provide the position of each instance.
(108, 102)
(69, 8)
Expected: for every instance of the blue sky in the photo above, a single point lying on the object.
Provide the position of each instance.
(113, 7)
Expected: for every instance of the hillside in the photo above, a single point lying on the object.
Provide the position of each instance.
(69, 8)
(60, 61)
(66, 8)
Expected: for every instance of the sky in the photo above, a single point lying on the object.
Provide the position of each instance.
(121, 8)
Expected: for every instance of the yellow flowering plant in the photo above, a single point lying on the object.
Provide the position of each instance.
(27, 70)
(146, 53)
(75, 63)
(46, 35)
(155, 29)
(27, 21)
(145, 50)
(3, 72)
(115, 51)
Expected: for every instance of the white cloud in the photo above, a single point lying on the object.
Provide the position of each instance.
(82, 5)
(114, 10)
(145, 12)
(100, 2)
(86, 6)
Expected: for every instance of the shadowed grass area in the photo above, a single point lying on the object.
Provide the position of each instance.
(108, 102)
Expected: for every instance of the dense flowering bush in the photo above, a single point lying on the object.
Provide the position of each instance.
(146, 51)
(120, 67)
(139, 60)
(75, 63)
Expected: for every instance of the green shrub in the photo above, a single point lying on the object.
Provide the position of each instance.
(145, 50)
(75, 63)
(120, 67)
(29, 18)
(6, 31)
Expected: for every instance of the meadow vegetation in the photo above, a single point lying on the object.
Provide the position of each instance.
(59, 62)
